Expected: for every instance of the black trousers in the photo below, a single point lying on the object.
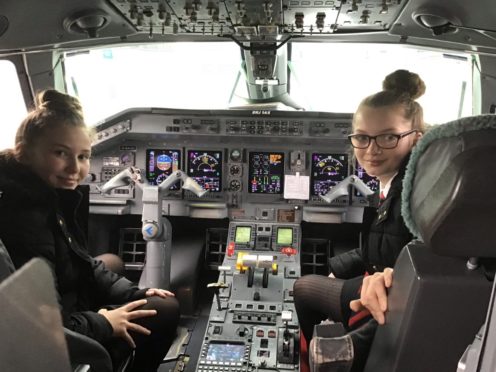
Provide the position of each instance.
(150, 350)
(319, 297)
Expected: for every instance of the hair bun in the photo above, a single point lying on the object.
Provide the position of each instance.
(56, 101)
(404, 82)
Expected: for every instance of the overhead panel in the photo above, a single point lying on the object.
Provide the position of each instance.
(244, 17)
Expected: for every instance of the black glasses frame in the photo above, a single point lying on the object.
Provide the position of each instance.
(370, 138)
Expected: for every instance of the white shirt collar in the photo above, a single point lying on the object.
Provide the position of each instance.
(384, 189)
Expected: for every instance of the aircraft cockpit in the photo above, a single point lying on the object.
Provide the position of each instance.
(221, 163)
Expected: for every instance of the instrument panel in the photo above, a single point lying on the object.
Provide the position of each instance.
(254, 164)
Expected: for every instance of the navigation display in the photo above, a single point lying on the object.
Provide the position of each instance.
(243, 234)
(327, 171)
(284, 235)
(161, 163)
(266, 172)
(225, 352)
(205, 167)
(371, 182)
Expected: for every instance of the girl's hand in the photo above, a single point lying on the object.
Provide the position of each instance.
(373, 295)
(159, 292)
(121, 320)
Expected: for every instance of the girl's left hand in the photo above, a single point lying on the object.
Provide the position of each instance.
(159, 292)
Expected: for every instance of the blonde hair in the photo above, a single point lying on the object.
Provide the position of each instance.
(52, 109)
(400, 88)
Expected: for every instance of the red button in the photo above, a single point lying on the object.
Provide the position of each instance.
(289, 251)
(230, 249)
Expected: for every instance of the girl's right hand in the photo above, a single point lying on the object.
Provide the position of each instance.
(121, 320)
(373, 295)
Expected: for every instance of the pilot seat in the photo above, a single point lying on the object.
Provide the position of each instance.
(32, 322)
(442, 281)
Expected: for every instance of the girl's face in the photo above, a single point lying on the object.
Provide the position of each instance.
(61, 157)
(379, 162)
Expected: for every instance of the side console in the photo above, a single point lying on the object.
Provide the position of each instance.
(252, 322)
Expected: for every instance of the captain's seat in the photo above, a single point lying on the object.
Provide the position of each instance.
(439, 297)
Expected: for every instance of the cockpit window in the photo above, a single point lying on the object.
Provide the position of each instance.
(174, 75)
(331, 77)
(336, 77)
(13, 106)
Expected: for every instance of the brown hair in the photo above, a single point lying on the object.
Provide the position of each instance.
(400, 88)
(52, 108)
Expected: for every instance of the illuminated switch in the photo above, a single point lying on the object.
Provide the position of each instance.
(230, 249)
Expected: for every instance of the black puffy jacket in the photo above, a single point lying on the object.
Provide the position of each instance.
(39, 221)
(384, 234)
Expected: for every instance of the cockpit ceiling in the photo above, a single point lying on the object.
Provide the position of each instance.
(35, 25)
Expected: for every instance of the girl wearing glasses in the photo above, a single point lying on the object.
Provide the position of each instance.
(386, 126)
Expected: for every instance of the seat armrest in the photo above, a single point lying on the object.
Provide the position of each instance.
(83, 350)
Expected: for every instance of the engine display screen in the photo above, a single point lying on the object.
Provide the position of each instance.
(284, 236)
(205, 167)
(225, 352)
(327, 171)
(371, 182)
(243, 234)
(161, 163)
(266, 172)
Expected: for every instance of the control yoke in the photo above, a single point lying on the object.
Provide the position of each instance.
(128, 176)
(156, 229)
(342, 188)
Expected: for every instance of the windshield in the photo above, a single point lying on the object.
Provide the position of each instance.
(330, 77)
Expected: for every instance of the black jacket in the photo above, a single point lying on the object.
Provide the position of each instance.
(384, 235)
(39, 221)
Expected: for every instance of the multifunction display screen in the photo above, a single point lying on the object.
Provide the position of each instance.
(284, 236)
(225, 352)
(205, 167)
(243, 234)
(160, 164)
(266, 172)
(327, 171)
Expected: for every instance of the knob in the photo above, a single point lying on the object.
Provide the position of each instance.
(235, 153)
(242, 331)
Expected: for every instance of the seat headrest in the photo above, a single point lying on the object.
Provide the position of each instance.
(449, 188)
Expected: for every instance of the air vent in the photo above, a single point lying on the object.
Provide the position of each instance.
(437, 21)
(87, 22)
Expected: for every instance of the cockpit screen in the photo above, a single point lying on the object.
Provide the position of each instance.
(371, 182)
(225, 352)
(266, 172)
(205, 167)
(284, 236)
(243, 234)
(160, 163)
(327, 171)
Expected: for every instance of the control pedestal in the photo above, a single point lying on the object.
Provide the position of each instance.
(252, 323)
